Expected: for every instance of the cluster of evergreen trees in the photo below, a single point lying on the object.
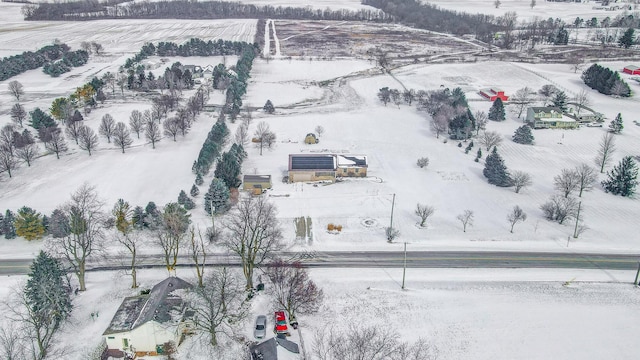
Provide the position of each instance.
(211, 148)
(69, 60)
(185, 9)
(606, 81)
(28, 60)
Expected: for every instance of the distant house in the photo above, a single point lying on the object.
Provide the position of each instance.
(351, 165)
(631, 69)
(549, 118)
(144, 323)
(256, 183)
(195, 70)
(493, 93)
(207, 71)
(311, 138)
(273, 349)
(312, 167)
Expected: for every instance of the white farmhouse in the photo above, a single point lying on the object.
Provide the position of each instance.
(144, 323)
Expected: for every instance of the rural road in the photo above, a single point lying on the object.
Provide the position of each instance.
(373, 259)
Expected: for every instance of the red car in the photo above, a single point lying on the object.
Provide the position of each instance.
(281, 323)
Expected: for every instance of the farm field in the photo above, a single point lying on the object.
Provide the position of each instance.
(463, 314)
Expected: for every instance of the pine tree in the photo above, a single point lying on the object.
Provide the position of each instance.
(28, 224)
(228, 170)
(560, 100)
(199, 179)
(616, 125)
(268, 107)
(622, 180)
(495, 170)
(152, 217)
(8, 227)
(218, 196)
(496, 112)
(137, 218)
(523, 135)
(182, 197)
(59, 226)
(48, 299)
(627, 39)
(194, 190)
(189, 204)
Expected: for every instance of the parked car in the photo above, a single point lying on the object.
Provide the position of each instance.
(260, 329)
(281, 323)
(594, 125)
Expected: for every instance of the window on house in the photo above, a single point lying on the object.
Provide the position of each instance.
(111, 337)
(125, 343)
(357, 170)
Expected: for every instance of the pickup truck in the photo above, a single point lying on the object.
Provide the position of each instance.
(281, 323)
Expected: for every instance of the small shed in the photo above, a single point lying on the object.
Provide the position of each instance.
(631, 70)
(257, 184)
(493, 93)
(311, 138)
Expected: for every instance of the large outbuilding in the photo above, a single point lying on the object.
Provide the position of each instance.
(320, 167)
(631, 70)
(493, 94)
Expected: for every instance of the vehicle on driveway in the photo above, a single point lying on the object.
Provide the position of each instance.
(260, 328)
(281, 323)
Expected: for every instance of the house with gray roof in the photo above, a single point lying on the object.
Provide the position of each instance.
(144, 323)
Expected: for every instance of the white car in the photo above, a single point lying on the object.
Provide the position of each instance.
(260, 328)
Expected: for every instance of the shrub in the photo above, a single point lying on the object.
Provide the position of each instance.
(423, 162)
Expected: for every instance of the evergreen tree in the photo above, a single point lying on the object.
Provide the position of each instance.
(622, 180)
(152, 217)
(1, 224)
(59, 226)
(28, 224)
(523, 135)
(495, 171)
(268, 107)
(182, 197)
(189, 204)
(39, 119)
(137, 218)
(195, 191)
(8, 227)
(228, 170)
(218, 196)
(496, 112)
(48, 299)
(559, 100)
(627, 39)
(199, 180)
(616, 125)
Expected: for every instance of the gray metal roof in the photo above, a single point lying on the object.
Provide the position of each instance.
(157, 305)
(257, 178)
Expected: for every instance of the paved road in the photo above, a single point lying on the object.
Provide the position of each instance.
(372, 259)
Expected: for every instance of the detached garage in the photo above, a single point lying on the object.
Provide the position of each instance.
(312, 167)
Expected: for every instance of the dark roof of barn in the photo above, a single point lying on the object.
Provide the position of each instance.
(312, 162)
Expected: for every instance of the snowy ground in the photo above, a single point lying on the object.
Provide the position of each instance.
(466, 314)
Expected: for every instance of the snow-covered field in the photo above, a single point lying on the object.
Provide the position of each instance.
(465, 314)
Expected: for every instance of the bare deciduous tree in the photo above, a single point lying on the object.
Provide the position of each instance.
(566, 182)
(582, 100)
(242, 135)
(53, 140)
(107, 126)
(16, 89)
(520, 180)
(122, 136)
(264, 136)
(27, 153)
(18, 114)
(11, 342)
(481, 121)
(319, 130)
(292, 289)
(253, 233)
(516, 215)
(198, 253)
(86, 220)
(171, 127)
(466, 218)
(370, 343)
(586, 178)
(87, 138)
(606, 150)
(522, 99)
(124, 224)
(152, 133)
(490, 139)
(175, 222)
(424, 212)
(560, 208)
(219, 305)
(136, 123)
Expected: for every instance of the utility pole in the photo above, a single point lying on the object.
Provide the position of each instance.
(575, 230)
(213, 210)
(393, 202)
(404, 268)
(635, 282)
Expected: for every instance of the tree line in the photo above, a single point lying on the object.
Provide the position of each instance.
(29, 60)
(184, 9)
(606, 81)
